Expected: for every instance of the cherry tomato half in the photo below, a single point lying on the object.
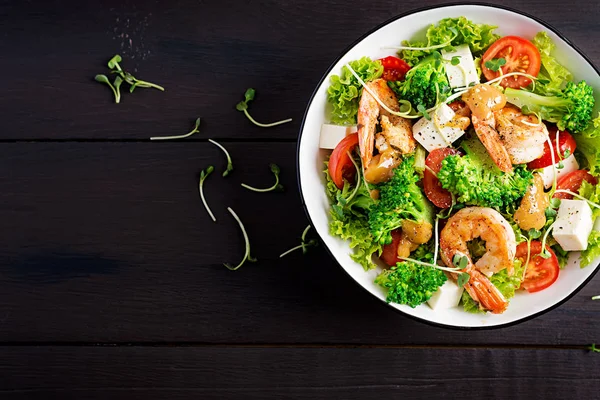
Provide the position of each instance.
(431, 185)
(394, 68)
(340, 162)
(389, 255)
(541, 272)
(572, 182)
(565, 142)
(521, 56)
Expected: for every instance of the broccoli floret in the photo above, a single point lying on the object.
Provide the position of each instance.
(475, 180)
(410, 283)
(423, 83)
(400, 198)
(571, 109)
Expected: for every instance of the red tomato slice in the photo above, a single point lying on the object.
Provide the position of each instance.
(521, 56)
(339, 161)
(572, 181)
(565, 142)
(431, 185)
(541, 272)
(389, 255)
(394, 68)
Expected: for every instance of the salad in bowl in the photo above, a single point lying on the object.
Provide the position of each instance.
(460, 168)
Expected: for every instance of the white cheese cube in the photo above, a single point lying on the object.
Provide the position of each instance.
(464, 73)
(331, 135)
(433, 134)
(569, 165)
(573, 225)
(447, 296)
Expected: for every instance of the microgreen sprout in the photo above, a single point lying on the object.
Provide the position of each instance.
(275, 170)
(113, 64)
(229, 162)
(115, 87)
(455, 60)
(203, 175)
(421, 108)
(545, 253)
(495, 64)
(597, 297)
(247, 256)
(304, 245)
(434, 47)
(460, 261)
(593, 348)
(243, 106)
(190, 133)
(123, 76)
(463, 278)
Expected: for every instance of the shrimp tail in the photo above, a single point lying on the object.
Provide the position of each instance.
(491, 140)
(485, 293)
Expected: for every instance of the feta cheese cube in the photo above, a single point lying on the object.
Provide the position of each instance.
(569, 165)
(331, 135)
(433, 134)
(573, 225)
(447, 296)
(464, 73)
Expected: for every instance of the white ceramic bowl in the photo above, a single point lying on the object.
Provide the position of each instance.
(310, 159)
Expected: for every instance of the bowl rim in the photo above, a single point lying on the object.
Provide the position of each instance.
(326, 74)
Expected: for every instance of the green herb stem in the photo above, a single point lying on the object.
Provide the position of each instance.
(265, 125)
(229, 162)
(195, 130)
(276, 186)
(203, 176)
(247, 256)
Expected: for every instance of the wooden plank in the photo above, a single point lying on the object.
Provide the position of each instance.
(299, 373)
(109, 243)
(206, 53)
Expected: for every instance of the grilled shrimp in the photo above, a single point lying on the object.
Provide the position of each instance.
(483, 100)
(500, 243)
(395, 138)
(523, 136)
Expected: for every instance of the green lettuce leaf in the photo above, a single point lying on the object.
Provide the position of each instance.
(344, 90)
(551, 71)
(457, 31)
(349, 219)
(588, 147)
(593, 250)
(592, 193)
(507, 285)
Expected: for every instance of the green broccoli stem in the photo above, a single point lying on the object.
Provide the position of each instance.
(533, 101)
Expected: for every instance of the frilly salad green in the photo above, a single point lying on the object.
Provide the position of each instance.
(464, 168)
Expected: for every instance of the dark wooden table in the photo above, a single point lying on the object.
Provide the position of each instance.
(111, 275)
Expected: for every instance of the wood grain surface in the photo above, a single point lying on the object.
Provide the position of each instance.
(111, 275)
(295, 373)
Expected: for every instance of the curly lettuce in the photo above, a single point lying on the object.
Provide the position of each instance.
(349, 219)
(592, 251)
(552, 76)
(455, 31)
(588, 147)
(344, 90)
